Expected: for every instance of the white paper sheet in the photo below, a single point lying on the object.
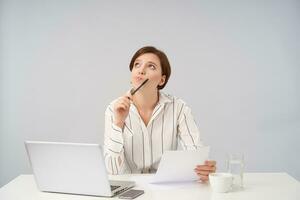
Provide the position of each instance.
(178, 166)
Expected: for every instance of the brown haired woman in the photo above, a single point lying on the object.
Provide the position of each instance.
(139, 128)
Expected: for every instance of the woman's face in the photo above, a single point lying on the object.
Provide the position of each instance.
(147, 66)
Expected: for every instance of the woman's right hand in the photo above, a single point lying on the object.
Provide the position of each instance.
(121, 109)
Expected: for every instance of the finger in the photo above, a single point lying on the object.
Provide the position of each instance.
(210, 162)
(215, 169)
(212, 170)
(204, 178)
(204, 173)
(121, 107)
(205, 168)
(128, 95)
(125, 101)
(126, 106)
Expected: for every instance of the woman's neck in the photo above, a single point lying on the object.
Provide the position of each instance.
(145, 100)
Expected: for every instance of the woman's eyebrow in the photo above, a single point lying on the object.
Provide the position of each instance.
(148, 62)
(152, 63)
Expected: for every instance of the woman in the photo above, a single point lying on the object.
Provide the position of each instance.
(139, 128)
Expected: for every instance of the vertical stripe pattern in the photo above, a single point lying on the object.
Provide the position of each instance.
(140, 147)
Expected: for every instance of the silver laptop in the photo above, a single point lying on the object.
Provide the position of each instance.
(72, 168)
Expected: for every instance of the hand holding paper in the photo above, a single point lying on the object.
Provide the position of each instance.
(178, 166)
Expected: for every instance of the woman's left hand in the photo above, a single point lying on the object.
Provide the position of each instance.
(204, 170)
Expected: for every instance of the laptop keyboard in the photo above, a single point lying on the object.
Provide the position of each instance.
(113, 187)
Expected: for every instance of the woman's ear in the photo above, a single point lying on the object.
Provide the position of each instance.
(162, 80)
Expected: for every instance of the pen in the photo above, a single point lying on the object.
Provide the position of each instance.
(133, 91)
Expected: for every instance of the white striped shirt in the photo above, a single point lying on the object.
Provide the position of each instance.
(138, 148)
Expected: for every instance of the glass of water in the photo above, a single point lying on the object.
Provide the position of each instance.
(235, 166)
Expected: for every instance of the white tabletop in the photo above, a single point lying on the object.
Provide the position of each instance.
(258, 186)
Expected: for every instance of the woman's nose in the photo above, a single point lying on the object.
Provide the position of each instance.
(142, 70)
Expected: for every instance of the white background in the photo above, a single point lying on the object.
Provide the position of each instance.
(236, 63)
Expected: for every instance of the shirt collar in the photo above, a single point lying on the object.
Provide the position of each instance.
(164, 98)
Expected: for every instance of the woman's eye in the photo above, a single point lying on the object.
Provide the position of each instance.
(136, 64)
(152, 67)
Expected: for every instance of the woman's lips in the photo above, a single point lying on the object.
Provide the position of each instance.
(140, 79)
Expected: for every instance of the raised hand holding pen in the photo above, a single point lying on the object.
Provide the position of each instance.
(122, 106)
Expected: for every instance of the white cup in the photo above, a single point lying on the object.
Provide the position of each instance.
(221, 182)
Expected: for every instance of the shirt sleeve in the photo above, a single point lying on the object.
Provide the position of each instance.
(188, 132)
(113, 145)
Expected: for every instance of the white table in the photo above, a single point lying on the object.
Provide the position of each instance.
(258, 186)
